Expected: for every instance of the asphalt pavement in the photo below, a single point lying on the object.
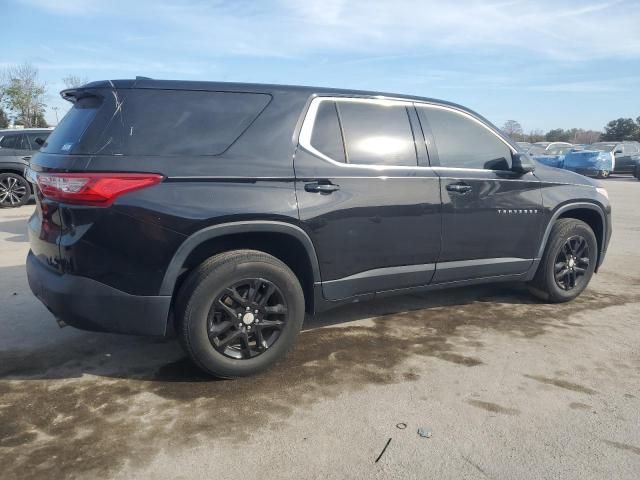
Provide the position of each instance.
(507, 387)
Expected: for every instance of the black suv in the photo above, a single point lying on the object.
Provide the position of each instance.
(226, 211)
(16, 149)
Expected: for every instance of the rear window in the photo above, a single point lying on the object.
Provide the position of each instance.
(155, 122)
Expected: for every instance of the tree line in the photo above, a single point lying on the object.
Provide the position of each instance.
(23, 94)
(615, 130)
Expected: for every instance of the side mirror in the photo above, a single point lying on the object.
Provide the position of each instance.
(521, 163)
(617, 151)
(39, 141)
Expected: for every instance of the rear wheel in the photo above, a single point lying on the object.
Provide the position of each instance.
(603, 174)
(239, 312)
(14, 190)
(568, 262)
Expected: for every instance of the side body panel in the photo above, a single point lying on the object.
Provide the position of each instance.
(380, 229)
(130, 245)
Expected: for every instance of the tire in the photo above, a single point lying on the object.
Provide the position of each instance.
(566, 231)
(218, 292)
(14, 190)
(603, 174)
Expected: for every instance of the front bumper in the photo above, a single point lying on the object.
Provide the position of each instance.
(90, 305)
(587, 172)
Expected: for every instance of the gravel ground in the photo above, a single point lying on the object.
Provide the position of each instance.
(509, 388)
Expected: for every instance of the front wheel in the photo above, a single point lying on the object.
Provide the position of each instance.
(14, 190)
(603, 174)
(239, 312)
(568, 262)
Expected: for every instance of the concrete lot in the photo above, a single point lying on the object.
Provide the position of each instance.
(510, 388)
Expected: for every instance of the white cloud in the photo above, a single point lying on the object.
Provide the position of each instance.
(561, 30)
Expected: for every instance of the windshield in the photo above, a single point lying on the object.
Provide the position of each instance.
(559, 150)
(603, 147)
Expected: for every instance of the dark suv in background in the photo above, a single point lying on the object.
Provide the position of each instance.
(16, 149)
(226, 211)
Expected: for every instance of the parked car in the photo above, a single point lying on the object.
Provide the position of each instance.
(226, 211)
(550, 145)
(16, 149)
(592, 163)
(524, 146)
(626, 155)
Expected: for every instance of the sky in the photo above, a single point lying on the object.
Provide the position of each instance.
(546, 64)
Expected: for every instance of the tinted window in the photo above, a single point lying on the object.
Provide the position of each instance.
(630, 149)
(463, 143)
(326, 136)
(9, 141)
(22, 143)
(66, 136)
(156, 122)
(377, 134)
(32, 137)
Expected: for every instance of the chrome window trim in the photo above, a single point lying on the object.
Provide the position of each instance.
(304, 138)
(474, 119)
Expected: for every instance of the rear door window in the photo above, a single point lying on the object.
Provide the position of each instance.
(22, 143)
(156, 122)
(32, 137)
(463, 142)
(377, 134)
(326, 137)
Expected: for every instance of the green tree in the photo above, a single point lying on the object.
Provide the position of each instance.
(23, 94)
(621, 129)
(558, 135)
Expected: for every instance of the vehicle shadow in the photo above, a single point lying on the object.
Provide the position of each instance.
(432, 324)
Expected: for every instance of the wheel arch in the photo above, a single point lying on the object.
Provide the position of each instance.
(590, 213)
(289, 243)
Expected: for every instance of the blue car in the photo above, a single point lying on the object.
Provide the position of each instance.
(591, 163)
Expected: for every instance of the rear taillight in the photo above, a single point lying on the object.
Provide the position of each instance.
(96, 189)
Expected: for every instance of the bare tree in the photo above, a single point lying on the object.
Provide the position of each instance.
(74, 81)
(23, 95)
(513, 129)
(535, 136)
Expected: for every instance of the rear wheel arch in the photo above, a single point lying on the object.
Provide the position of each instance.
(288, 243)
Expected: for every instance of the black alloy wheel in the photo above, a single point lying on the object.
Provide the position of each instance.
(14, 190)
(572, 262)
(239, 312)
(247, 318)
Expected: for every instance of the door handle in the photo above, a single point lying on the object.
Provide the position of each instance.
(459, 187)
(27, 158)
(321, 187)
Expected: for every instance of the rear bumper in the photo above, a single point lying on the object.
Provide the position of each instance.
(90, 305)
